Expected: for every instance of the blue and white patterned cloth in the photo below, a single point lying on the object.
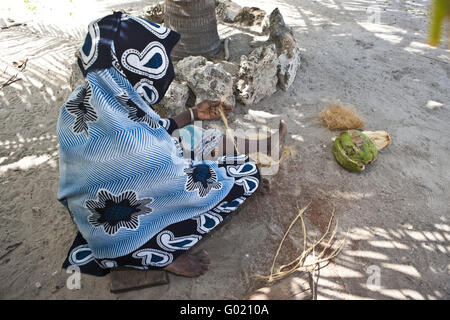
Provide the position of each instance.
(117, 157)
(122, 175)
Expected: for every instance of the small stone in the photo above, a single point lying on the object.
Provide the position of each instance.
(433, 104)
(155, 12)
(250, 16)
(38, 285)
(287, 70)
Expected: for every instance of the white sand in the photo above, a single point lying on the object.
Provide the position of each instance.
(396, 212)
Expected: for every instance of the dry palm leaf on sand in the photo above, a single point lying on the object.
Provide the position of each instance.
(313, 257)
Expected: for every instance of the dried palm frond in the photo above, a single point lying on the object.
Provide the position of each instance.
(308, 260)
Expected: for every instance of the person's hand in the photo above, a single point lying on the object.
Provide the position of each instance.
(209, 110)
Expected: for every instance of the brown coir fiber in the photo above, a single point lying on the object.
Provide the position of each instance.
(342, 118)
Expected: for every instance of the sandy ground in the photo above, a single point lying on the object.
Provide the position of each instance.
(396, 213)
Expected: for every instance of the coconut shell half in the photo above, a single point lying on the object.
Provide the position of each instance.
(380, 138)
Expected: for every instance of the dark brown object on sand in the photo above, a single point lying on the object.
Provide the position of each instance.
(123, 279)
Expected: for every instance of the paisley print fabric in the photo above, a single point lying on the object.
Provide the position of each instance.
(137, 48)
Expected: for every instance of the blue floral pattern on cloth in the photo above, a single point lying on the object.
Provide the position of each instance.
(114, 212)
(203, 178)
(135, 113)
(128, 149)
(79, 106)
(177, 238)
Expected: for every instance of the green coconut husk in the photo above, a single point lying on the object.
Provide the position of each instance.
(354, 150)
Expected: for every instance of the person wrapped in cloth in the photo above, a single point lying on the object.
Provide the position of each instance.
(140, 197)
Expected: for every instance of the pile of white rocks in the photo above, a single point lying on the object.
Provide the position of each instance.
(271, 66)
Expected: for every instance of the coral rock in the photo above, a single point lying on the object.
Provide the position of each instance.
(288, 51)
(174, 101)
(208, 81)
(227, 10)
(258, 75)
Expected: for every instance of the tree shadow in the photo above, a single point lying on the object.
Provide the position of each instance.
(394, 213)
(396, 216)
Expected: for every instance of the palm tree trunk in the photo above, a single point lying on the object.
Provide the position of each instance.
(195, 21)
